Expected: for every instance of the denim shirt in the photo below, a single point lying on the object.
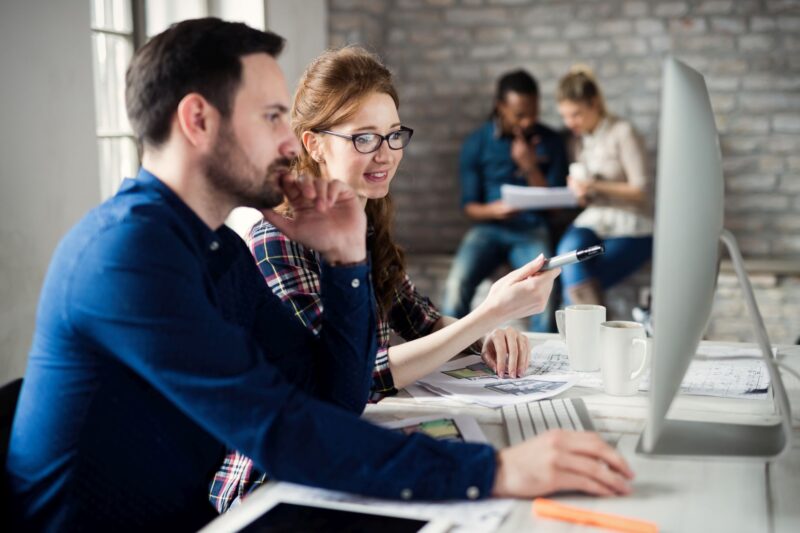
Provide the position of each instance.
(485, 165)
(158, 346)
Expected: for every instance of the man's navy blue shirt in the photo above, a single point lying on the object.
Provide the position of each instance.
(158, 345)
(486, 165)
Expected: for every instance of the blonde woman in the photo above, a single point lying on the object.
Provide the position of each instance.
(609, 176)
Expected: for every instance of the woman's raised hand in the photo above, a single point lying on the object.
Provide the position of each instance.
(522, 292)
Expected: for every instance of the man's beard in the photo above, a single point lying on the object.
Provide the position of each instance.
(231, 173)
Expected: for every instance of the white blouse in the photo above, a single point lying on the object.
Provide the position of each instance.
(615, 152)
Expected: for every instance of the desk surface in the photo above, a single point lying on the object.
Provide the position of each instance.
(680, 495)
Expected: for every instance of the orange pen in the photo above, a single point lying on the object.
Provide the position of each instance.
(552, 509)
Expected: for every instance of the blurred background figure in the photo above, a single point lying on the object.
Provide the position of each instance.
(608, 173)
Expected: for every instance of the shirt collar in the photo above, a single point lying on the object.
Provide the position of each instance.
(600, 130)
(205, 237)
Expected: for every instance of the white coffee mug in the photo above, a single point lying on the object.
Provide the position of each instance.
(625, 351)
(579, 326)
(579, 171)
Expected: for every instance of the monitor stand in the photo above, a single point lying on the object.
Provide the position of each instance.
(691, 438)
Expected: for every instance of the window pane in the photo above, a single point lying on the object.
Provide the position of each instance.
(118, 160)
(112, 54)
(161, 13)
(112, 15)
(251, 12)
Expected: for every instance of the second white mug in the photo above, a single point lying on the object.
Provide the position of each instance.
(625, 352)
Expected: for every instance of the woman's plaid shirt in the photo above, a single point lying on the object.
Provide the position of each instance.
(292, 272)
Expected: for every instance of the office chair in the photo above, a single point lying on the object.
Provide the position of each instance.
(9, 394)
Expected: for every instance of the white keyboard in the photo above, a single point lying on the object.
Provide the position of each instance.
(526, 420)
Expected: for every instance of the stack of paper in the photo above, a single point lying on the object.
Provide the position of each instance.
(537, 197)
(468, 379)
(711, 373)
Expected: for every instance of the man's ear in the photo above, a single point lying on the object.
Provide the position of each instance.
(198, 120)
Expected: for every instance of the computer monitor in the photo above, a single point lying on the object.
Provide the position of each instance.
(688, 228)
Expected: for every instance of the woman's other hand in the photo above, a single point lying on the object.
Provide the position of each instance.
(506, 351)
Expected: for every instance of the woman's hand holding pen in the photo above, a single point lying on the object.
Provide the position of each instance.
(522, 292)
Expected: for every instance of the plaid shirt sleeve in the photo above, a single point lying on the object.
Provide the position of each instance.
(291, 272)
(412, 316)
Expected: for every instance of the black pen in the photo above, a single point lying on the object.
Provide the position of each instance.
(574, 256)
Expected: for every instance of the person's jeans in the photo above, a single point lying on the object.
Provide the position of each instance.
(483, 249)
(623, 257)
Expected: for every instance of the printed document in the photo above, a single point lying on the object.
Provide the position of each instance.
(722, 371)
(468, 379)
(522, 197)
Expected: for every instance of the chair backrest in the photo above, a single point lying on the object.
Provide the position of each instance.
(9, 394)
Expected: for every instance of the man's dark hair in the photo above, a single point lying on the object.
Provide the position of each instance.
(200, 55)
(517, 81)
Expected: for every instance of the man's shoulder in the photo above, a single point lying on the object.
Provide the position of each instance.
(119, 230)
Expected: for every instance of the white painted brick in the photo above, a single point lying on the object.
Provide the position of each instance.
(552, 49)
(578, 29)
(789, 24)
(476, 17)
(787, 244)
(771, 163)
(757, 202)
(761, 23)
(494, 35)
(694, 25)
(706, 43)
(751, 183)
(614, 27)
(756, 43)
(790, 184)
(714, 7)
(661, 43)
(634, 9)
(543, 32)
(636, 46)
(649, 26)
(775, 101)
(728, 24)
(488, 51)
(671, 9)
(593, 47)
(748, 124)
(786, 123)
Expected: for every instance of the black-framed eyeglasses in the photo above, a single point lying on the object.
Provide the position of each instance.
(366, 143)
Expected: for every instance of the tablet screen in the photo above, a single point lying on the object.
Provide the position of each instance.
(289, 517)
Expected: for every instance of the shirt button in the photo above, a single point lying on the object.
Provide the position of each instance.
(473, 493)
(214, 246)
(406, 494)
(356, 283)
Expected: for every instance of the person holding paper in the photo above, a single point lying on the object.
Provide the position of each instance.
(353, 133)
(512, 147)
(609, 175)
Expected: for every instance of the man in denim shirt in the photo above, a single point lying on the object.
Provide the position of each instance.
(511, 148)
(158, 345)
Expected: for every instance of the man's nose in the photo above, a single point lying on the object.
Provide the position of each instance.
(290, 148)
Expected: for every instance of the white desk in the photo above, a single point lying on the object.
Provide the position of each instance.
(679, 495)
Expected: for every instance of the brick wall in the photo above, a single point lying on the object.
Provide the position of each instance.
(447, 55)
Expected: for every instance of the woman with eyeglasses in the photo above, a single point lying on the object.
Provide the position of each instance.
(345, 112)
